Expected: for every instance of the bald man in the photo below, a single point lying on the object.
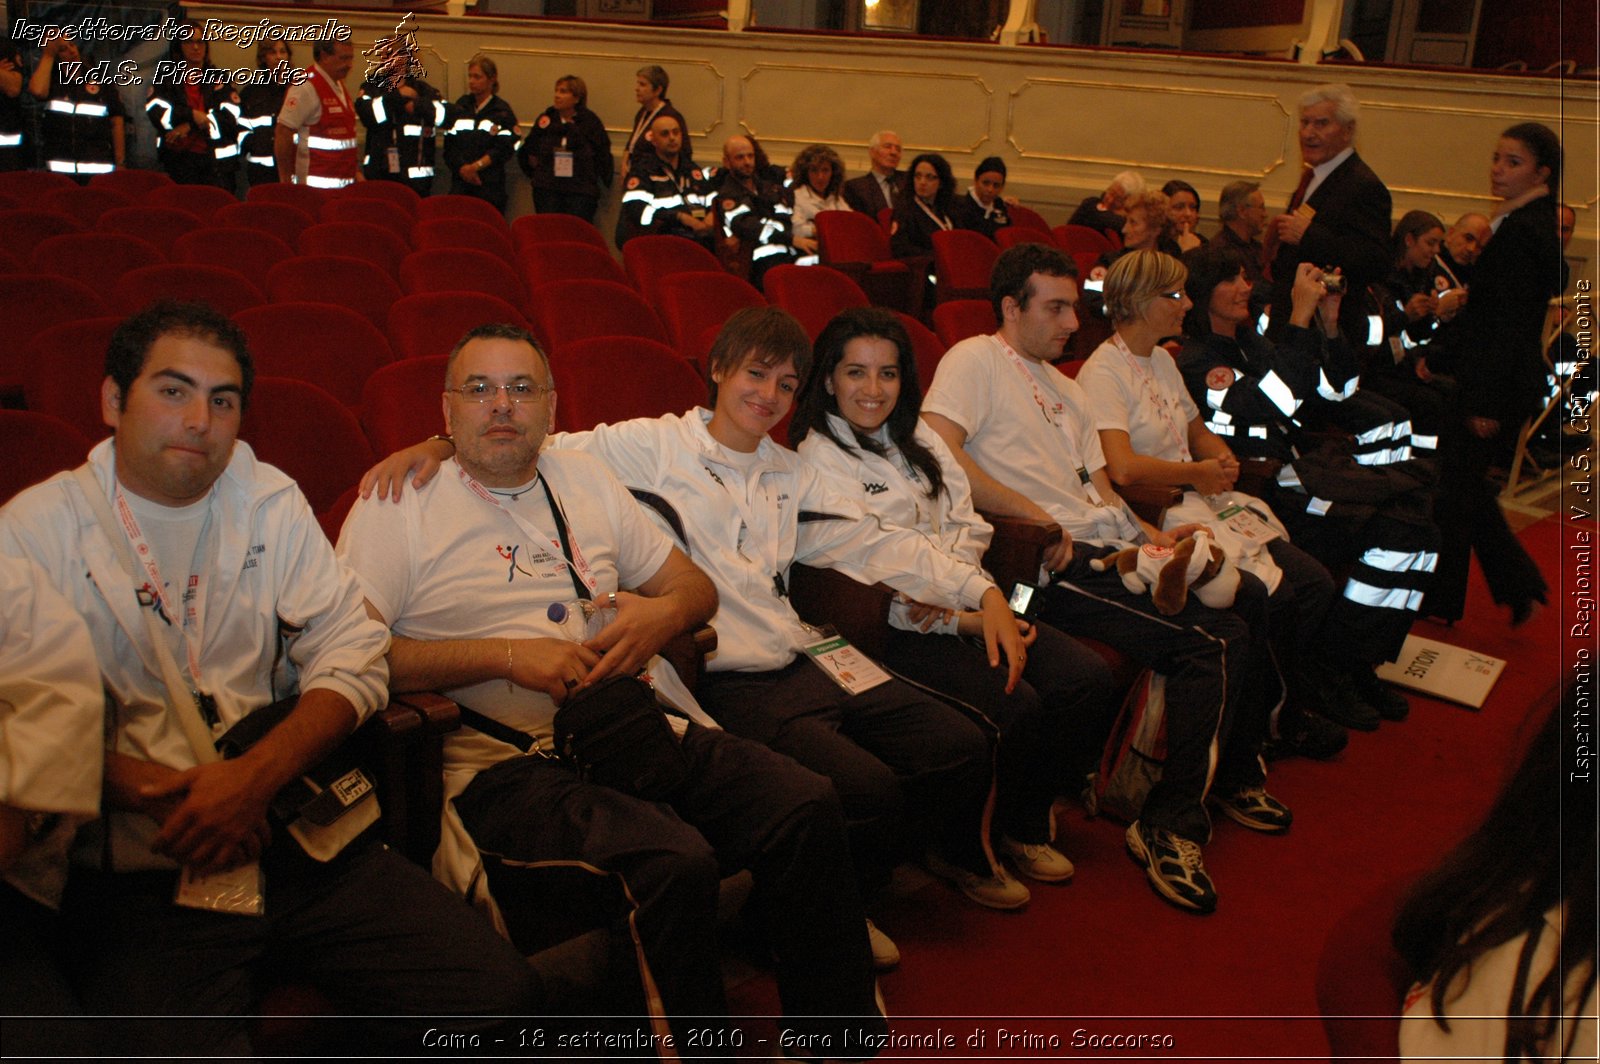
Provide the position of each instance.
(754, 212)
(665, 194)
(1462, 246)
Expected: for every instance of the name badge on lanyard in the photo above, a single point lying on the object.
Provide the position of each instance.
(563, 164)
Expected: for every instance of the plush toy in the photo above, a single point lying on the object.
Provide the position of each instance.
(1170, 573)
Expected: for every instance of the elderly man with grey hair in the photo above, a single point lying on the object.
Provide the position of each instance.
(883, 185)
(1338, 216)
(1106, 211)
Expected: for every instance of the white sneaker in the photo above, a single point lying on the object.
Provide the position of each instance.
(885, 954)
(1037, 860)
(998, 891)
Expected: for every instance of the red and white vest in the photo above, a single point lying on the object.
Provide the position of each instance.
(331, 140)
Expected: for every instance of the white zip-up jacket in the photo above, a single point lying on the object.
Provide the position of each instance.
(746, 543)
(280, 613)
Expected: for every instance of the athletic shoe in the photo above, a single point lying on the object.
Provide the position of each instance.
(1338, 701)
(1390, 704)
(998, 891)
(1302, 734)
(885, 954)
(1174, 867)
(1037, 860)
(1255, 809)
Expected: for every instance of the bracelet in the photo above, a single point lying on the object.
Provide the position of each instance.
(443, 437)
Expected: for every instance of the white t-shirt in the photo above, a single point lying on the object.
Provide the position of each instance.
(807, 205)
(173, 533)
(1476, 1005)
(52, 724)
(1043, 453)
(445, 564)
(1144, 397)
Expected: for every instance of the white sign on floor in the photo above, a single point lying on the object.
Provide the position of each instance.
(1452, 673)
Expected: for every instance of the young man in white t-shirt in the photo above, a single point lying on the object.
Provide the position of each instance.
(1023, 433)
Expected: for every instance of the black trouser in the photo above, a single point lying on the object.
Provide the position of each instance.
(1216, 712)
(1052, 727)
(492, 190)
(1470, 519)
(373, 931)
(191, 168)
(43, 1016)
(742, 807)
(889, 750)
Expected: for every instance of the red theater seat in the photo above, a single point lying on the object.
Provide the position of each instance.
(614, 378)
(355, 283)
(813, 294)
(430, 323)
(37, 447)
(327, 345)
(229, 291)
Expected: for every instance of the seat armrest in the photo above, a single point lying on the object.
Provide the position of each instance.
(414, 800)
(1150, 501)
(859, 612)
(1018, 548)
(687, 651)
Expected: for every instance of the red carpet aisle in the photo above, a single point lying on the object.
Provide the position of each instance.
(1107, 953)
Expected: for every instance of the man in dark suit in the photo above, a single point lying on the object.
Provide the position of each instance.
(883, 185)
(1338, 215)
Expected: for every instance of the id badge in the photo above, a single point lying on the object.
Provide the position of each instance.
(563, 164)
(394, 160)
(1246, 524)
(1397, 350)
(1306, 211)
(241, 891)
(844, 664)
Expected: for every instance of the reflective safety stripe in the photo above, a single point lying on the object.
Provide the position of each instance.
(1399, 561)
(1385, 457)
(330, 144)
(379, 115)
(1219, 428)
(767, 251)
(92, 110)
(727, 219)
(463, 125)
(808, 260)
(1426, 443)
(1320, 507)
(416, 172)
(1374, 329)
(1222, 417)
(1215, 398)
(1384, 431)
(67, 166)
(411, 131)
(10, 140)
(1281, 394)
(227, 151)
(1261, 323)
(1326, 389)
(1258, 432)
(161, 112)
(256, 122)
(261, 160)
(1392, 598)
(1289, 477)
(327, 182)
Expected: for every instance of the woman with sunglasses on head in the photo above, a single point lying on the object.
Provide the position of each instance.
(857, 420)
(1152, 433)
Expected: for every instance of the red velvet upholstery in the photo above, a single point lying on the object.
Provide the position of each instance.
(249, 251)
(282, 221)
(84, 204)
(463, 233)
(650, 258)
(430, 323)
(462, 269)
(356, 240)
(309, 435)
(301, 197)
(371, 211)
(960, 318)
(394, 193)
(1012, 235)
(25, 186)
(614, 378)
(135, 184)
(692, 303)
(401, 403)
(1026, 218)
(66, 364)
(963, 259)
(29, 304)
(354, 283)
(926, 347)
(202, 201)
(566, 260)
(227, 290)
(576, 310)
(97, 259)
(461, 208)
(542, 228)
(813, 294)
(25, 229)
(37, 446)
(330, 346)
(1081, 238)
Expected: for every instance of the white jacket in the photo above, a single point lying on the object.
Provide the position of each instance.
(892, 488)
(280, 612)
(805, 518)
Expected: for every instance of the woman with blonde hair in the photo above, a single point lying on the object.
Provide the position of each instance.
(482, 137)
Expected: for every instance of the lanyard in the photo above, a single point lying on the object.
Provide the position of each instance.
(583, 580)
(1045, 408)
(941, 222)
(1163, 408)
(190, 627)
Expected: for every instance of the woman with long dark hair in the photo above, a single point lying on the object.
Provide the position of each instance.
(259, 104)
(1183, 215)
(1493, 352)
(927, 210)
(1500, 939)
(857, 419)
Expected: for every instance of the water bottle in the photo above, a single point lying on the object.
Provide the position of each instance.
(580, 620)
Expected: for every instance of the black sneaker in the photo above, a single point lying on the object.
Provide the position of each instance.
(1390, 704)
(1305, 735)
(1174, 867)
(1255, 809)
(1337, 699)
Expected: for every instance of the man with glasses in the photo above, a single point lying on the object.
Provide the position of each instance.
(473, 571)
(210, 587)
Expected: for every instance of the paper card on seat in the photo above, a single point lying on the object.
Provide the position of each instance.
(1452, 673)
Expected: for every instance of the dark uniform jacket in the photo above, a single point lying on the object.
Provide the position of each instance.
(474, 133)
(653, 195)
(412, 132)
(585, 137)
(968, 213)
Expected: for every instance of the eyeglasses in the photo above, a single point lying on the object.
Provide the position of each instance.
(520, 392)
(1176, 297)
